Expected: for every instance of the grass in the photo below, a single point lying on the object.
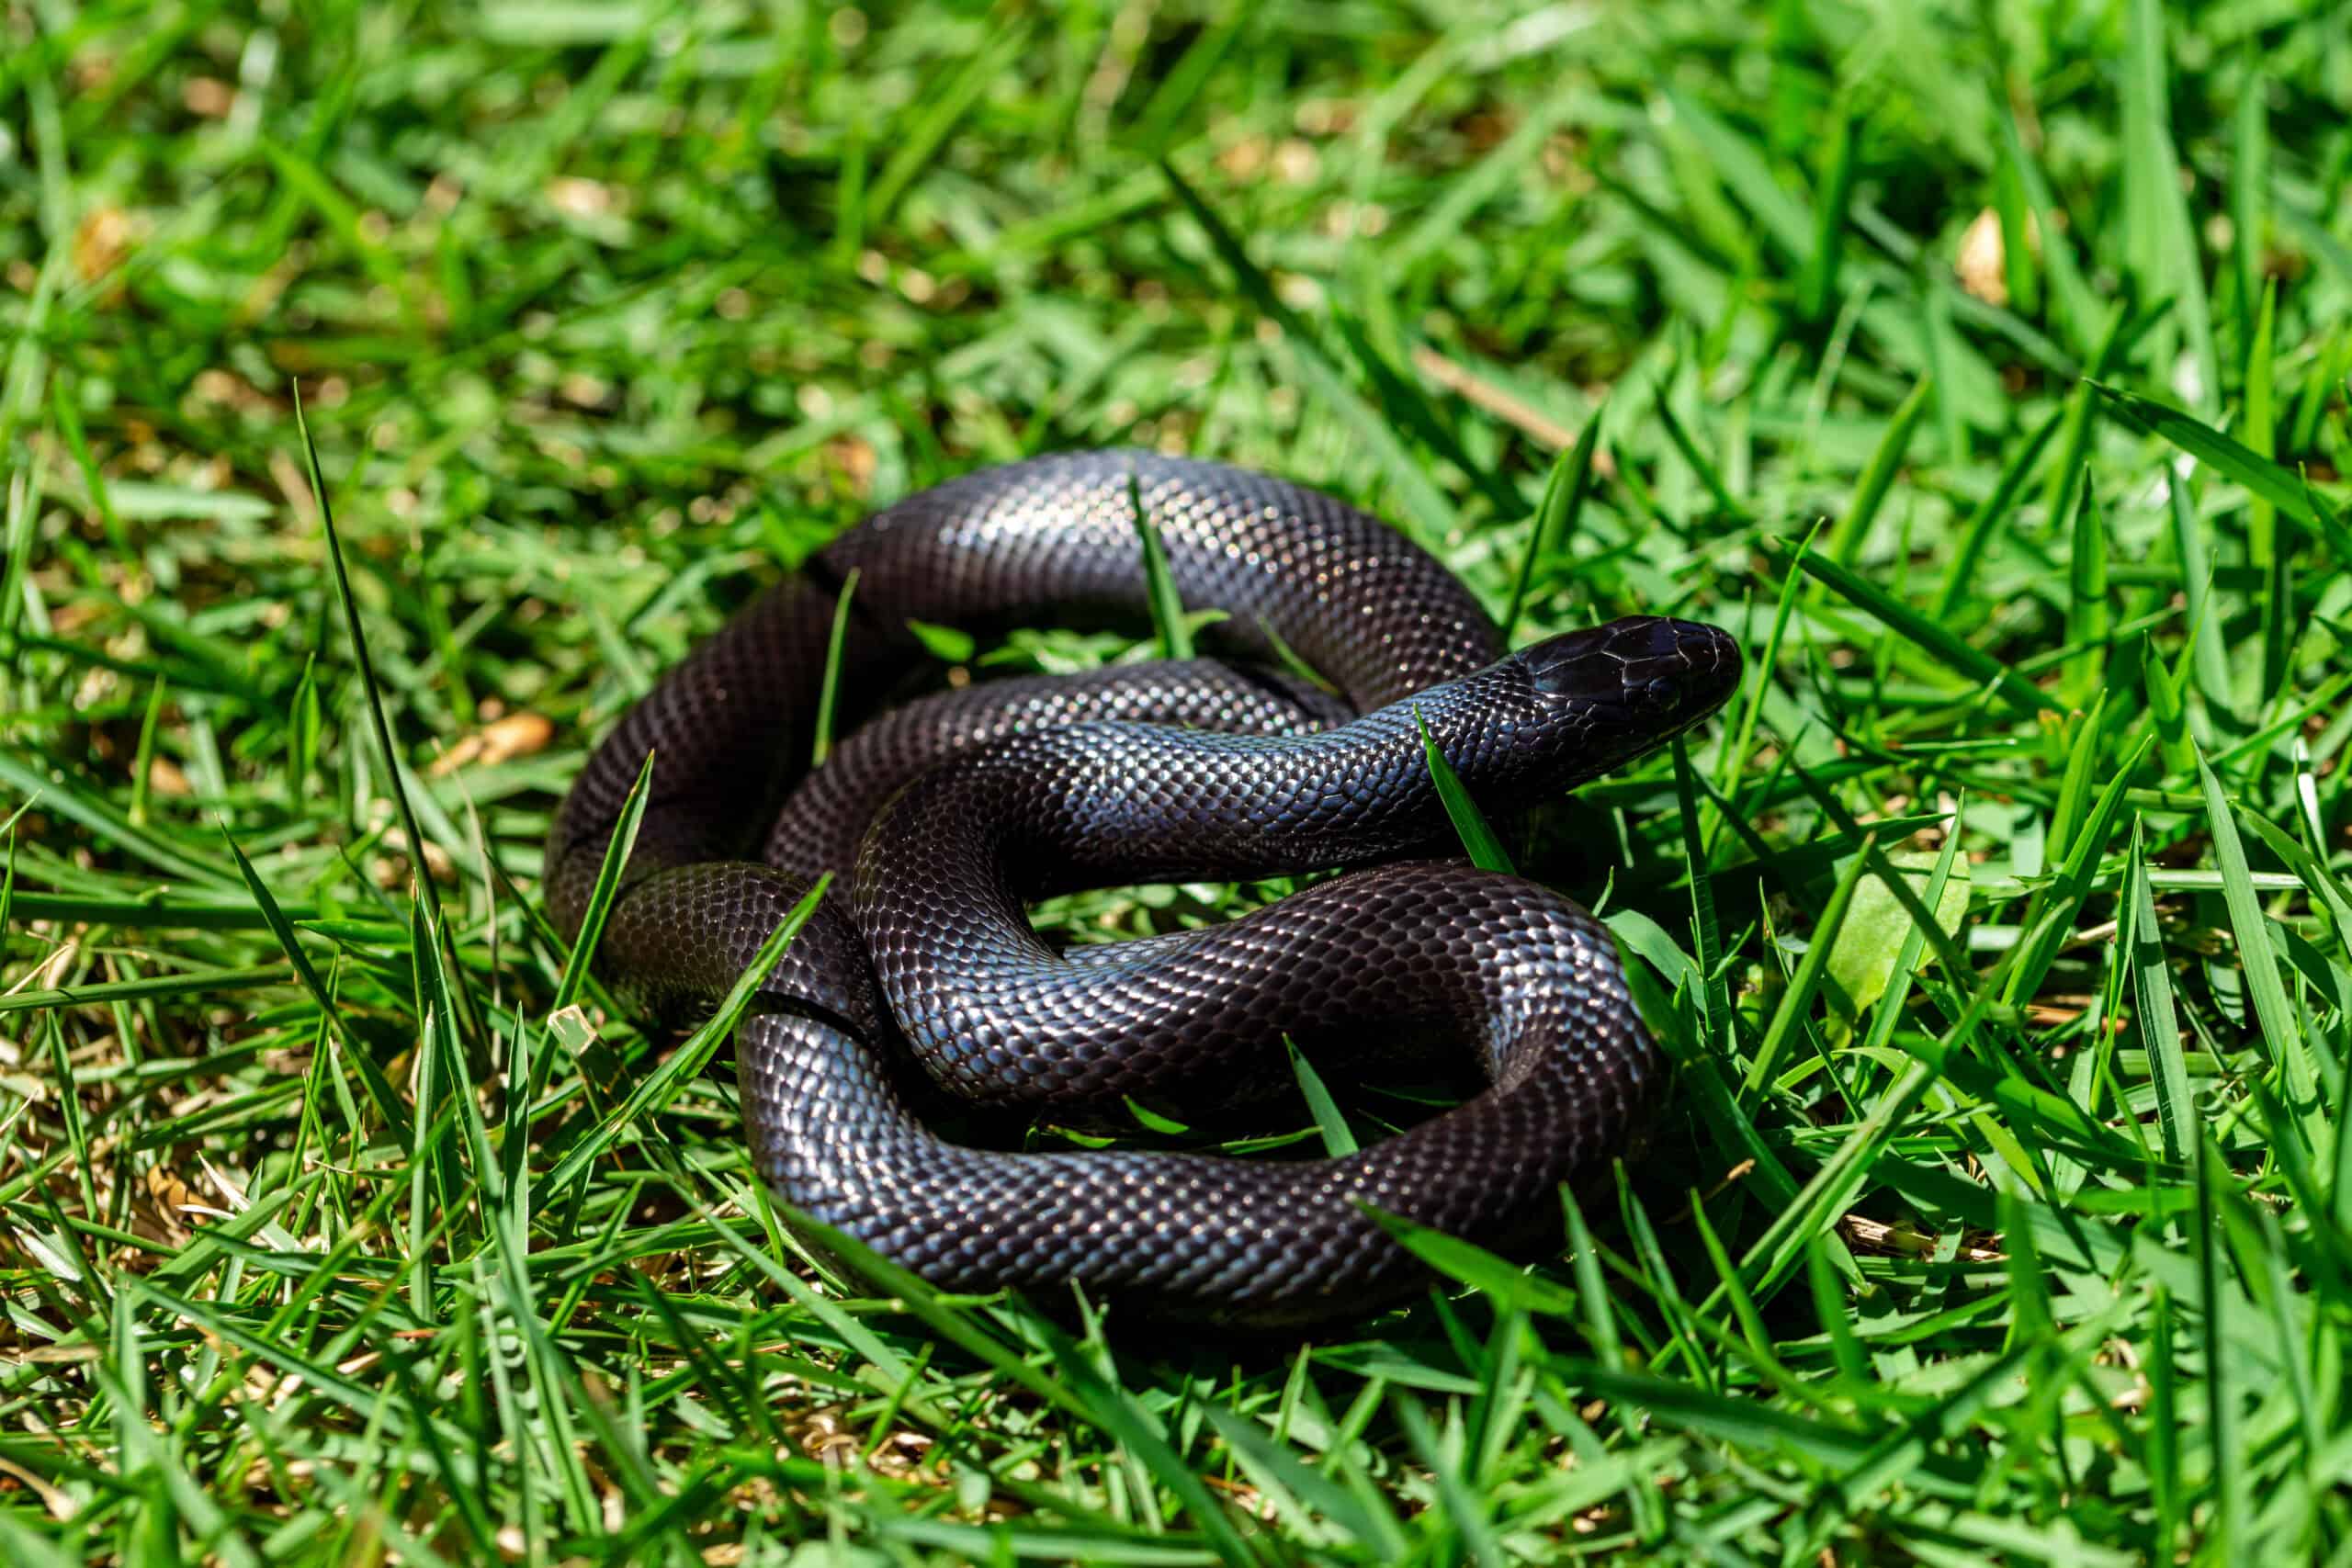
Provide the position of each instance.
(1981, 367)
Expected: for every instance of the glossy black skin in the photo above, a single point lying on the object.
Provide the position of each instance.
(1002, 794)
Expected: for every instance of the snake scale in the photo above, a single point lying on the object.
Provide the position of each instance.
(946, 817)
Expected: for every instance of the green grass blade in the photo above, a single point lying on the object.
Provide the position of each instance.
(2250, 200)
(2160, 239)
(1339, 1138)
(2088, 612)
(2228, 1498)
(2224, 456)
(1989, 517)
(1556, 519)
(1478, 839)
(655, 1091)
(1869, 493)
(1818, 285)
(607, 887)
(821, 745)
(1797, 1000)
(2158, 1021)
(1159, 583)
(2280, 1029)
(1933, 638)
(1504, 1283)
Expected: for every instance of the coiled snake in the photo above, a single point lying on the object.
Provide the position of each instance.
(945, 818)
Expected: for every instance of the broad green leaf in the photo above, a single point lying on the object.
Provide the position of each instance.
(1877, 927)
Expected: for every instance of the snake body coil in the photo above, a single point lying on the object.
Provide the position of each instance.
(1006, 792)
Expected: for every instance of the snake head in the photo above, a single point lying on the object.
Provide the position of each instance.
(1618, 689)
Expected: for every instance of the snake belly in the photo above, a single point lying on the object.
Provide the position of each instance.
(945, 818)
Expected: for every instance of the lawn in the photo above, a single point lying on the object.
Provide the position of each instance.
(1981, 366)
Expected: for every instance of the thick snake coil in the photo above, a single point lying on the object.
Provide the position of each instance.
(945, 818)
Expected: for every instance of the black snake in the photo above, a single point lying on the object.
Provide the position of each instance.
(947, 817)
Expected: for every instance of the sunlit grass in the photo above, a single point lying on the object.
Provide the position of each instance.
(1983, 370)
